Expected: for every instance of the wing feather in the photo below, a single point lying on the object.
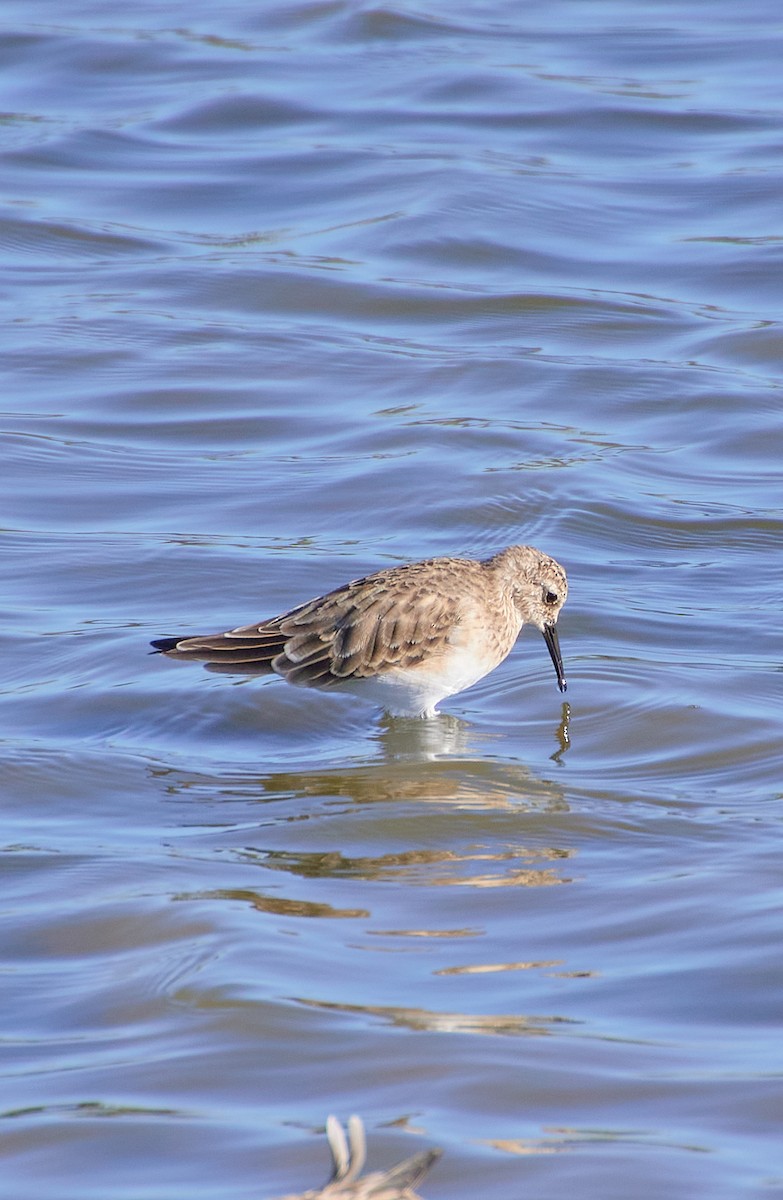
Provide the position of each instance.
(387, 621)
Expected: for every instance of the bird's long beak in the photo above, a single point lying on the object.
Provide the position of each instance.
(553, 646)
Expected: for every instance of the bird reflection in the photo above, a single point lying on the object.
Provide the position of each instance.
(563, 733)
(443, 736)
(439, 1021)
(403, 773)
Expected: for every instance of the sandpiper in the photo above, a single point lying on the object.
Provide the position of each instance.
(405, 637)
(348, 1159)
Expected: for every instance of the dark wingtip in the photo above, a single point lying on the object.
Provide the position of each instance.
(163, 645)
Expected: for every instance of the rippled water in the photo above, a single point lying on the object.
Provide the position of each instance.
(295, 291)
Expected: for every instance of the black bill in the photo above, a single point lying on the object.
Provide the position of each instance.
(553, 646)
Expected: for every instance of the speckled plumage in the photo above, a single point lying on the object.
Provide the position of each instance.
(404, 637)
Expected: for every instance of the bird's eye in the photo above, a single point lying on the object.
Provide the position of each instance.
(551, 597)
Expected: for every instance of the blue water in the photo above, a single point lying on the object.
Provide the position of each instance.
(293, 292)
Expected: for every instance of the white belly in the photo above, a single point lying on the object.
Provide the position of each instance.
(416, 692)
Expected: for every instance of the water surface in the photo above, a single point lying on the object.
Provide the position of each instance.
(296, 291)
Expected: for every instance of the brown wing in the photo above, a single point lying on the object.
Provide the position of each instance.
(399, 1181)
(251, 655)
(391, 619)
